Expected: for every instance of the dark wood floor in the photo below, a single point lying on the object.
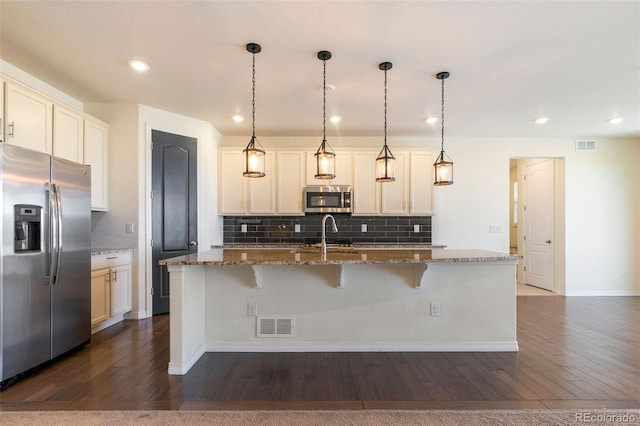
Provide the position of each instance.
(574, 353)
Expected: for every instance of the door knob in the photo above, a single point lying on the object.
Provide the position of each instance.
(548, 241)
(193, 243)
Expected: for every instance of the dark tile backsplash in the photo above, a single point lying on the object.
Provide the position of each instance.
(281, 229)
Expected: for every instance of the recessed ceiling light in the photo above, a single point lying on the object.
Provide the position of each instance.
(238, 118)
(541, 120)
(138, 65)
(616, 120)
(431, 120)
(335, 119)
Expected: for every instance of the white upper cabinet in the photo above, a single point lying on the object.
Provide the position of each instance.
(394, 195)
(232, 185)
(290, 177)
(366, 191)
(421, 184)
(96, 142)
(239, 195)
(343, 170)
(262, 194)
(28, 118)
(68, 134)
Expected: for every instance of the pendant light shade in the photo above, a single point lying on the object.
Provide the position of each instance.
(325, 157)
(253, 153)
(443, 167)
(385, 162)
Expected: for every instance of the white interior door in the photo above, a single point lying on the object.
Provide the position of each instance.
(539, 224)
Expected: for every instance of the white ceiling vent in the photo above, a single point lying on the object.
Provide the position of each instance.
(281, 326)
(585, 145)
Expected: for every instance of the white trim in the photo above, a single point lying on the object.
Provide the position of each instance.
(136, 315)
(362, 346)
(603, 293)
(107, 323)
(181, 369)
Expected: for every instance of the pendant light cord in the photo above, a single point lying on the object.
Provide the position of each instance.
(324, 99)
(385, 107)
(442, 118)
(253, 97)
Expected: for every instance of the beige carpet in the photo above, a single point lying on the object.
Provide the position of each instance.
(322, 418)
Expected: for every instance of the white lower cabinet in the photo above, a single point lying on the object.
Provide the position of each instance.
(110, 287)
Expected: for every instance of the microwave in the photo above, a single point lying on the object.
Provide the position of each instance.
(327, 199)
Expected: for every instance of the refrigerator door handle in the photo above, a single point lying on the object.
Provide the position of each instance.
(60, 225)
(55, 233)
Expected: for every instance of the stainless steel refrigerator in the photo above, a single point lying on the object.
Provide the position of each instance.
(45, 272)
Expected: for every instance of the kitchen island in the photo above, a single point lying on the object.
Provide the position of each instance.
(351, 299)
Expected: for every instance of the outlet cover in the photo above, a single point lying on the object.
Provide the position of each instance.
(296, 227)
(435, 310)
(243, 228)
(252, 309)
(416, 228)
(363, 228)
(129, 228)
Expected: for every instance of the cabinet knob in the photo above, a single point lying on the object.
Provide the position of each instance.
(548, 241)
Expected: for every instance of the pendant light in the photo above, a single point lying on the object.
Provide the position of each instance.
(385, 162)
(253, 153)
(325, 157)
(443, 165)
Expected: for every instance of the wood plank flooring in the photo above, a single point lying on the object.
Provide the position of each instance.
(574, 353)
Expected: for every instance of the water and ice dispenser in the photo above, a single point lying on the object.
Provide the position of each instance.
(27, 219)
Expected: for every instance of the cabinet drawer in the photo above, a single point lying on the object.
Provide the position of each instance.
(110, 260)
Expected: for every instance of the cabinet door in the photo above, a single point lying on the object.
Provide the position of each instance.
(100, 296)
(290, 176)
(262, 191)
(421, 184)
(96, 137)
(343, 170)
(28, 118)
(394, 194)
(231, 184)
(68, 134)
(365, 188)
(120, 289)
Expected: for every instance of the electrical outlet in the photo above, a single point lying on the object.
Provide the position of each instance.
(243, 228)
(296, 227)
(416, 228)
(363, 227)
(435, 309)
(129, 228)
(495, 229)
(252, 309)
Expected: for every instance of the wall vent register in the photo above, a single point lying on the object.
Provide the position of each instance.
(280, 326)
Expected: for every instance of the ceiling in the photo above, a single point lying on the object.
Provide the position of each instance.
(510, 62)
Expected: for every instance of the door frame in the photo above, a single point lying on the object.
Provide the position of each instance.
(559, 274)
(144, 291)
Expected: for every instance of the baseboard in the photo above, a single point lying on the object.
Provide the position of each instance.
(180, 369)
(603, 293)
(136, 315)
(271, 346)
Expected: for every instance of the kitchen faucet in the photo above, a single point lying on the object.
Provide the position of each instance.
(334, 229)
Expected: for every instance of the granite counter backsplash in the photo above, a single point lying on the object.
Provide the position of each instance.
(282, 229)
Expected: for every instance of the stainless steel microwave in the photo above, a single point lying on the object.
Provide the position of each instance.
(327, 199)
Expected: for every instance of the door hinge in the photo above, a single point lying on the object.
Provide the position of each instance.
(525, 177)
(151, 194)
(525, 238)
(151, 145)
(524, 208)
(151, 242)
(152, 291)
(525, 268)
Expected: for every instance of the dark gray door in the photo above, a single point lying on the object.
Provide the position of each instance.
(173, 207)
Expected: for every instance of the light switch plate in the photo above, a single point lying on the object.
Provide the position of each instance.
(363, 228)
(129, 228)
(296, 227)
(416, 228)
(243, 228)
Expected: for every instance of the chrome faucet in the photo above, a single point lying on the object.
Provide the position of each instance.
(334, 229)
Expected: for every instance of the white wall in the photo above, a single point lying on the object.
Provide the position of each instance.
(601, 200)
